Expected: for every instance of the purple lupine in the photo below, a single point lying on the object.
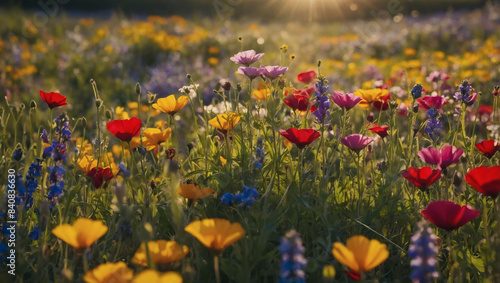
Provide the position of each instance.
(246, 57)
(423, 251)
(322, 102)
(466, 94)
(433, 128)
(293, 261)
(273, 72)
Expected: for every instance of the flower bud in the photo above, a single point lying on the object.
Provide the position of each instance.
(84, 122)
(240, 39)
(108, 114)
(138, 89)
(151, 97)
(33, 104)
(238, 87)
(188, 76)
(98, 103)
(370, 117)
(415, 108)
(226, 86)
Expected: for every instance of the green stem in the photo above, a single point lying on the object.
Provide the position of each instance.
(216, 268)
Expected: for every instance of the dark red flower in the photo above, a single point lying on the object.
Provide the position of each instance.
(125, 129)
(383, 103)
(301, 137)
(422, 178)
(306, 77)
(485, 180)
(449, 215)
(353, 274)
(485, 110)
(100, 176)
(380, 130)
(53, 99)
(488, 148)
(297, 101)
(429, 102)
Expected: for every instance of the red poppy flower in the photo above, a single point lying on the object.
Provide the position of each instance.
(488, 148)
(485, 180)
(422, 178)
(53, 99)
(380, 130)
(449, 215)
(298, 101)
(100, 176)
(125, 129)
(485, 110)
(383, 103)
(302, 137)
(306, 77)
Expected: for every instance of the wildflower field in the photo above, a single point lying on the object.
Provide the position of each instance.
(174, 149)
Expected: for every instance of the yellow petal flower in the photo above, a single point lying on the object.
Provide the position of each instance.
(109, 273)
(216, 234)
(370, 96)
(223, 160)
(225, 121)
(361, 254)
(82, 234)
(170, 105)
(153, 137)
(190, 191)
(160, 252)
(153, 276)
(121, 114)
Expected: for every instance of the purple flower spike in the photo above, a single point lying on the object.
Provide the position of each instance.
(251, 72)
(246, 57)
(356, 142)
(272, 72)
(346, 101)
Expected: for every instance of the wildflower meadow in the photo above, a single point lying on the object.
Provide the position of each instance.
(167, 148)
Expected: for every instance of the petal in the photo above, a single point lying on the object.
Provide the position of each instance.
(67, 234)
(344, 256)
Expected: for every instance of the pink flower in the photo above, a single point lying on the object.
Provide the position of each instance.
(448, 155)
(346, 101)
(272, 72)
(246, 57)
(429, 102)
(449, 215)
(251, 72)
(356, 142)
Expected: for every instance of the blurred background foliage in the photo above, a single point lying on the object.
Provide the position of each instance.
(265, 10)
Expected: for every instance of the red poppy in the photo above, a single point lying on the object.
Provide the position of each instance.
(449, 215)
(100, 176)
(125, 129)
(485, 180)
(53, 99)
(380, 130)
(485, 110)
(302, 137)
(306, 77)
(298, 101)
(422, 178)
(488, 148)
(383, 103)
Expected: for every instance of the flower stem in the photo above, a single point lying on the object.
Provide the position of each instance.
(216, 268)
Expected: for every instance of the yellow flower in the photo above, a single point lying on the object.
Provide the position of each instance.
(410, 52)
(153, 137)
(213, 61)
(135, 142)
(121, 114)
(223, 160)
(109, 273)
(361, 254)
(82, 234)
(262, 92)
(84, 146)
(213, 50)
(170, 105)
(193, 192)
(160, 124)
(117, 150)
(370, 96)
(225, 121)
(216, 234)
(160, 252)
(153, 276)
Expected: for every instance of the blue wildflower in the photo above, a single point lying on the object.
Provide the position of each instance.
(123, 170)
(35, 233)
(44, 136)
(247, 197)
(423, 250)
(293, 261)
(227, 198)
(18, 154)
(433, 128)
(416, 92)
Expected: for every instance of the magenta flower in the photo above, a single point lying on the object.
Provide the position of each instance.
(443, 158)
(251, 72)
(346, 101)
(272, 72)
(429, 102)
(246, 57)
(356, 142)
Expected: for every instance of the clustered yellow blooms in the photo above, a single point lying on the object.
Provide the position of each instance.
(225, 122)
(160, 252)
(262, 92)
(133, 107)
